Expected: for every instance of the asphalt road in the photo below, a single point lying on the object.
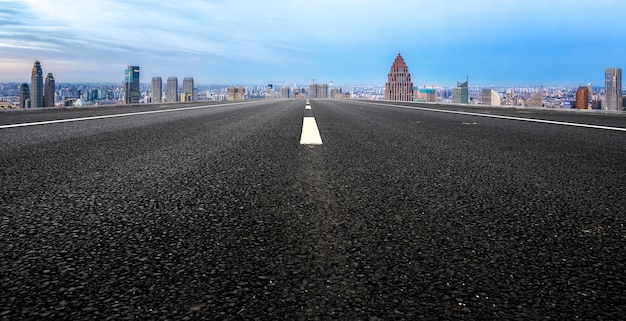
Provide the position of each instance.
(218, 212)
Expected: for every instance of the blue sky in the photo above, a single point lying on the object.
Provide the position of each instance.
(494, 42)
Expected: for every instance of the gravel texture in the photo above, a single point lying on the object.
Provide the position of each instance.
(219, 213)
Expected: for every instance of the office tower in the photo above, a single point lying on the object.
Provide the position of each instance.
(590, 89)
(461, 93)
(582, 97)
(36, 86)
(399, 86)
(131, 85)
(157, 90)
(236, 93)
(172, 90)
(285, 92)
(613, 84)
(49, 90)
(490, 97)
(188, 89)
(24, 96)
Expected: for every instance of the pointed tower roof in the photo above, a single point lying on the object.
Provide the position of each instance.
(399, 62)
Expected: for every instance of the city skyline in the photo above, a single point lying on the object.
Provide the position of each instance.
(349, 43)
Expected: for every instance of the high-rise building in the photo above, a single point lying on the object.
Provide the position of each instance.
(172, 90)
(318, 91)
(582, 98)
(613, 83)
(188, 89)
(36, 86)
(157, 90)
(285, 92)
(490, 97)
(399, 86)
(131, 85)
(49, 90)
(236, 93)
(322, 91)
(24, 96)
(312, 91)
(461, 93)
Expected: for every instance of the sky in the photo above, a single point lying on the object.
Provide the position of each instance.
(348, 42)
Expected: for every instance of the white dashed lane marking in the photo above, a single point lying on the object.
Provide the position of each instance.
(310, 132)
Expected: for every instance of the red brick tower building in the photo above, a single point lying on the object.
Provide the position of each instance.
(399, 86)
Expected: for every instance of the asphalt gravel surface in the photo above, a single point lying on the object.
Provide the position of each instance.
(217, 212)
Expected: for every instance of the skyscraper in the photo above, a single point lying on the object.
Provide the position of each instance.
(36, 85)
(24, 96)
(285, 92)
(131, 85)
(48, 91)
(188, 89)
(322, 91)
(157, 90)
(399, 86)
(172, 90)
(582, 97)
(613, 83)
(312, 91)
(461, 93)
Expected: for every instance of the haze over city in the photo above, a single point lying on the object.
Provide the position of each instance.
(347, 42)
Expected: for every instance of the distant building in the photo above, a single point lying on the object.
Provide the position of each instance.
(131, 85)
(582, 98)
(157, 90)
(425, 95)
(613, 84)
(536, 100)
(24, 96)
(312, 91)
(461, 93)
(49, 90)
(399, 86)
(188, 89)
(236, 93)
(337, 93)
(490, 97)
(285, 92)
(172, 90)
(36, 86)
(318, 91)
(269, 91)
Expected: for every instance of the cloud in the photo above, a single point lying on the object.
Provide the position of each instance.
(228, 39)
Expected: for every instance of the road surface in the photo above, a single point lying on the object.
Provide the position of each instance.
(404, 211)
